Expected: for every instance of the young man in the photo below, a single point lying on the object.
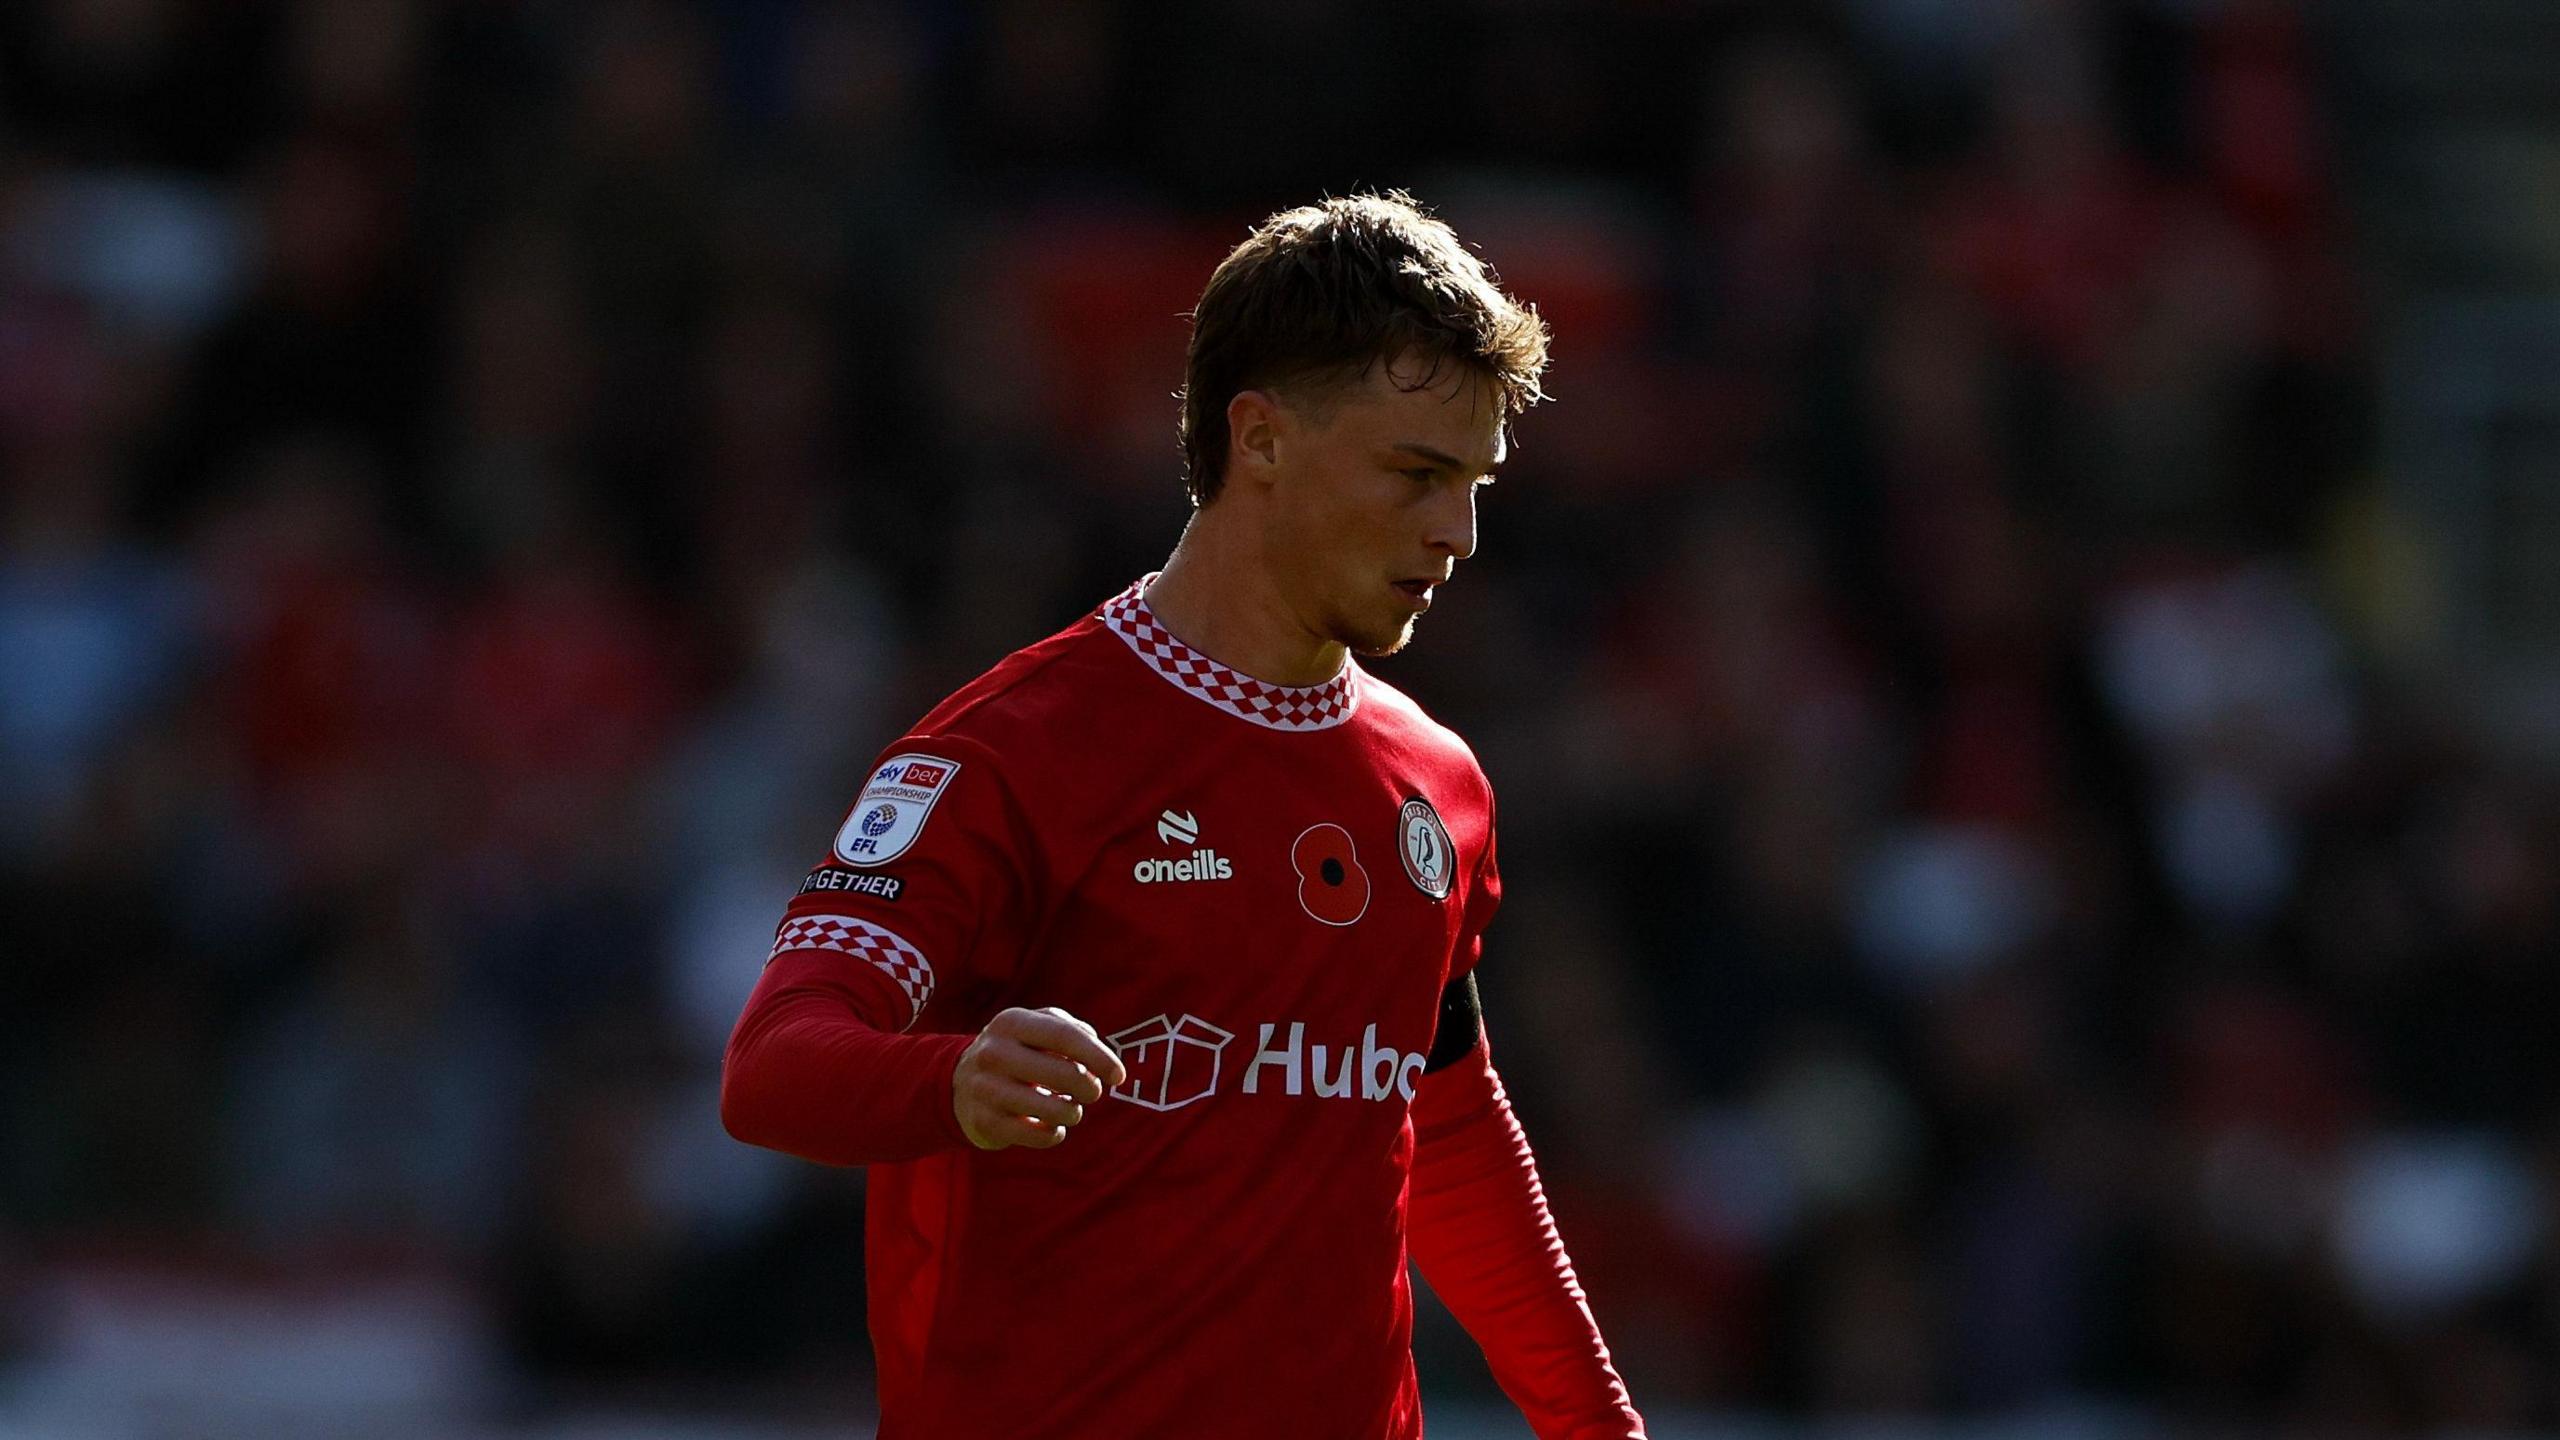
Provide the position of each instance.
(1185, 883)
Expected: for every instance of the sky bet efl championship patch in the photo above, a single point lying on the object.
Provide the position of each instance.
(892, 808)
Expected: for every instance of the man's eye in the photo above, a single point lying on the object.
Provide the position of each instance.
(1422, 475)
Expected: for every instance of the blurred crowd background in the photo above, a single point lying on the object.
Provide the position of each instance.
(2018, 665)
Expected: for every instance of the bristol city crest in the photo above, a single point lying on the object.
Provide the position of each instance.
(1430, 861)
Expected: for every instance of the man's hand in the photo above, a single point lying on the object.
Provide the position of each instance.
(1028, 1076)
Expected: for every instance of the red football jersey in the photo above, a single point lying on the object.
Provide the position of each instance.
(1257, 894)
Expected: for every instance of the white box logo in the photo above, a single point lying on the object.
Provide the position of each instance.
(1171, 1062)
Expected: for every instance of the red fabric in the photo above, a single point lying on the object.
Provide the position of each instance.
(1481, 1232)
(1259, 921)
(812, 1071)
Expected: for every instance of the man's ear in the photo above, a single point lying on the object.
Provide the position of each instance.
(1254, 425)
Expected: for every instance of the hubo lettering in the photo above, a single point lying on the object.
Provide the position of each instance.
(1203, 865)
(1379, 1070)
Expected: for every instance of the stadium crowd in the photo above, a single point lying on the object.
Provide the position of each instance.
(1984, 931)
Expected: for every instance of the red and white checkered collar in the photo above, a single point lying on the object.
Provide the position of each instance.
(1281, 707)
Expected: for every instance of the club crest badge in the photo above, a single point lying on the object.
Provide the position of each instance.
(1430, 861)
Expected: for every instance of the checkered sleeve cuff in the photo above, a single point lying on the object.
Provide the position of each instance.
(899, 959)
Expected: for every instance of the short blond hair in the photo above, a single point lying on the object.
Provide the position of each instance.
(1317, 295)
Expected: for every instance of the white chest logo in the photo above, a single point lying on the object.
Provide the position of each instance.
(1170, 1062)
(1182, 828)
(1430, 861)
(1175, 1061)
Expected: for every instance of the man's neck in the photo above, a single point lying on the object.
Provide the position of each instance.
(1216, 597)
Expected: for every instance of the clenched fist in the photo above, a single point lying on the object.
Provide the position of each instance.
(1028, 1076)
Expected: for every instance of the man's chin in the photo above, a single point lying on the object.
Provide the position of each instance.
(1377, 644)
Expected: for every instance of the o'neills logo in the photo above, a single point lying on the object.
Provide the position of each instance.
(1203, 865)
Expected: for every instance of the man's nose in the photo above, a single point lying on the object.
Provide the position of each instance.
(1453, 524)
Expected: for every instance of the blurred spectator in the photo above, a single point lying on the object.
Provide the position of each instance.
(376, 1110)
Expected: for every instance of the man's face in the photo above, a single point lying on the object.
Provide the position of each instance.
(1373, 497)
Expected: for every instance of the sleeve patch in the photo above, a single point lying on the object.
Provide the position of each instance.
(898, 959)
(891, 811)
(854, 882)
